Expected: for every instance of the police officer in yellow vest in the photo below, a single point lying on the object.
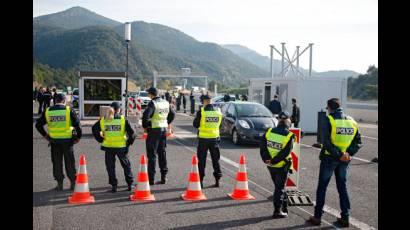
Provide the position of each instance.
(207, 121)
(341, 140)
(61, 123)
(275, 148)
(115, 134)
(155, 120)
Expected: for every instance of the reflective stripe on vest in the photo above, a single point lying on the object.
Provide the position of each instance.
(275, 143)
(209, 124)
(59, 123)
(113, 132)
(159, 119)
(342, 133)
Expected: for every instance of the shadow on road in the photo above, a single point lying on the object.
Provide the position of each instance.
(226, 224)
(302, 226)
(218, 206)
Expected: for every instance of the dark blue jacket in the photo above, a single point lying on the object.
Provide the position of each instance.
(75, 122)
(336, 154)
(275, 107)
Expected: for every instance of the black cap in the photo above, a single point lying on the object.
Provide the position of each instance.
(284, 115)
(153, 91)
(60, 97)
(115, 105)
(206, 97)
(333, 103)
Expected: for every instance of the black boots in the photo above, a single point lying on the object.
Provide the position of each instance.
(163, 179)
(114, 189)
(130, 187)
(202, 185)
(314, 221)
(280, 214)
(216, 183)
(344, 222)
(72, 185)
(59, 186)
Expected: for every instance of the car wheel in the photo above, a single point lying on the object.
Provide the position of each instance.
(235, 137)
(75, 104)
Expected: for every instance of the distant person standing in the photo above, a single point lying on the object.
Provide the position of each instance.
(184, 101)
(244, 97)
(35, 91)
(275, 106)
(227, 98)
(40, 100)
(179, 100)
(47, 96)
(54, 95)
(168, 96)
(192, 100)
(295, 118)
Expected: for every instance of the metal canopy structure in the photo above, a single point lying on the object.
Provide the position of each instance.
(186, 73)
(290, 61)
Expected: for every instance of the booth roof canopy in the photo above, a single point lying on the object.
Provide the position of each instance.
(101, 74)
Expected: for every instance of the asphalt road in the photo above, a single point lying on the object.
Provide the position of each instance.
(115, 211)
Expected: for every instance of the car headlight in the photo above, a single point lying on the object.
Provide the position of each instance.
(244, 124)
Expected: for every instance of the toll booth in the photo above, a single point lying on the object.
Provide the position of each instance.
(99, 89)
(311, 94)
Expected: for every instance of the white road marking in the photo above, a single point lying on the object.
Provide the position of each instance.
(326, 208)
(354, 158)
(373, 138)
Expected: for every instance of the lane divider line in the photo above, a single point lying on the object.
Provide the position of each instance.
(354, 158)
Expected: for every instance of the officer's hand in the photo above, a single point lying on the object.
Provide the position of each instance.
(346, 157)
(267, 162)
(47, 137)
(75, 141)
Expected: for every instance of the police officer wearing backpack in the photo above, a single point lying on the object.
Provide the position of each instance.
(115, 134)
(61, 123)
(275, 148)
(155, 119)
(207, 121)
(341, 140)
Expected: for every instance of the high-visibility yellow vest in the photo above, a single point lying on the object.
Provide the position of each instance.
(159, 118)
(209, 124)
(342, 132)
(113, 132)
(275, 143)
(59, 123)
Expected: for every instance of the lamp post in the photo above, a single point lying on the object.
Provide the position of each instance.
(127, 41)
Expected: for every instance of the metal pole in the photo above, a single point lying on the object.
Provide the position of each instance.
(310, 59)
(271, 61)
(126, 85)
(283, 59)
(206, 83)
(297, 57)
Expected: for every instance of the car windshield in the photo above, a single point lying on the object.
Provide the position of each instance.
(252, 110)
(143, 94)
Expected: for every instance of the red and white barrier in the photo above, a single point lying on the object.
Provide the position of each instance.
(293, 179)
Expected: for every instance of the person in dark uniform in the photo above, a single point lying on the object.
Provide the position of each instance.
(64, 130)
(47, 96)
(156, 118)
(40, 100)
(341, 141)
(179, 100)
(244, 97)
(207, 121)
(54, 95)
(275, 106)
(227, 98)
(295, 118)
(115, 134)
(184, 101)
(275, 148)
(168, 97)
(192, 100)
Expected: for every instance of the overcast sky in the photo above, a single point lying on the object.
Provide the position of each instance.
(344, 32)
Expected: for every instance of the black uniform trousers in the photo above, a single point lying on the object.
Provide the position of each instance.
(213, 145)
(58, 152)
(178, 103)
(279, 177)
(125, 163)
(155, 144)
(192, 106)
(40, 107)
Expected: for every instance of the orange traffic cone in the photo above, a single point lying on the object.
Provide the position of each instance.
(241, 191)
(81, 193)
(142, 192)
(194, 191)
(170, 132)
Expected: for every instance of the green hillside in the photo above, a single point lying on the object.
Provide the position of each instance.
(365, 87)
